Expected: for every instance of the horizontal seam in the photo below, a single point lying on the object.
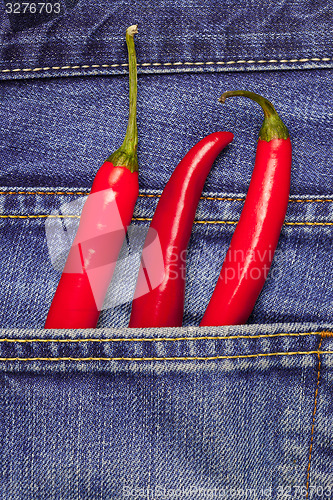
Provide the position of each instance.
(144, 195)
(63, 216)
(171, 339)
(45, 192)
(177, 63)
(173, 358)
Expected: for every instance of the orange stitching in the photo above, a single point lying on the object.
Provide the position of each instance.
(144, 195)
(169, 339)
(142, 218)
(291, 200)
(236, 222)
(216, 198)
(315, 200)
(190, 358)
(37, 216)
(150, 218)
(313, 420)
(327, 334)
(308, 223)
(44, 192)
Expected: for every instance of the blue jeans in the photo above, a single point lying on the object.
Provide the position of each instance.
(227, 412)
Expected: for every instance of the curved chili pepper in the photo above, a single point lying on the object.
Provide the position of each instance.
(254, 241)
(105, 216)
(173, 218)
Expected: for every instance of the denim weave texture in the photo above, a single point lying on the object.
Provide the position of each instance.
(186, 412)
(113, 413)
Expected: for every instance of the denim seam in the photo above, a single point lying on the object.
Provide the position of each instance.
(173, 358)
(145, 195)
(178, 63)
(313, 420)
(148, 219)
(170, 339)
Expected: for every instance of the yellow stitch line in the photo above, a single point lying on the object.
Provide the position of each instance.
(315, 200)
(308, 223)
(169, 339)
(215, 222)
(180, 358)
(230, 222)
(144, 195)
(179, 63)
(285, 223)
(326, 334)
(221, 199)
(38, 216)
(45, 192)
(313, 420)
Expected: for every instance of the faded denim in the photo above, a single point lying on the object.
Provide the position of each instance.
(173, 413)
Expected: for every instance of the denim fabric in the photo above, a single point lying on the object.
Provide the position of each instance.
(176, 36)
(57, 132)
(239, 412)
(167, 413)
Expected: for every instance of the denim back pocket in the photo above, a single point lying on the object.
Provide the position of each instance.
(36, 222)
(167, 413)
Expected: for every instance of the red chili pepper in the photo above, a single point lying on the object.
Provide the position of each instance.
(105, 216)
(163, 305)
(254, 241)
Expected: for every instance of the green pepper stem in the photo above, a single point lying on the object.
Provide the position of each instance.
(126, 155)
(272, 127)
